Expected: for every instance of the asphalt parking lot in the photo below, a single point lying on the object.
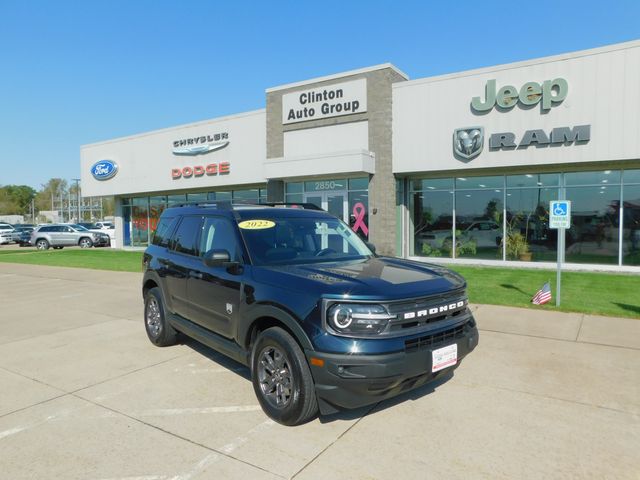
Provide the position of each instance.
(83, 394)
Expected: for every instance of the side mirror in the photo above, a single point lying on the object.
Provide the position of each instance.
(217, 258)
(371, 246)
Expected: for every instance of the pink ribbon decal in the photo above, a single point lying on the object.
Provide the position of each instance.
(358, 212)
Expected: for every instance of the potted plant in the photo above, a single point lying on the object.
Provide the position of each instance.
(517, 246)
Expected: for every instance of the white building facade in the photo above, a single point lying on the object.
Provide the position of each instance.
(458, 167)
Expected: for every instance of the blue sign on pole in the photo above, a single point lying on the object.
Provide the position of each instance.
(560, 214)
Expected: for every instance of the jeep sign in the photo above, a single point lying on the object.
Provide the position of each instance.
(550, 92)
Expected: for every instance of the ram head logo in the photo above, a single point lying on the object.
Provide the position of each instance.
(468, 142)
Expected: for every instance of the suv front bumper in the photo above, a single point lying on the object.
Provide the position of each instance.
(351, 381)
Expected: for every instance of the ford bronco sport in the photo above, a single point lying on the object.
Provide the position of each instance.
(321, 320)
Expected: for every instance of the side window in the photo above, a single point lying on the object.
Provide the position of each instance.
(57, 229)
(69, 229)
(162, 233)
(186, 237)
(218, 234)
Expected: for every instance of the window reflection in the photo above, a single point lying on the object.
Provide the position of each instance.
(479, 224)
(432, 222)
(631, 222)
(528, 234)
(593, 236)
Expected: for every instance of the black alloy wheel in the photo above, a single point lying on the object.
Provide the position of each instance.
(281, 378)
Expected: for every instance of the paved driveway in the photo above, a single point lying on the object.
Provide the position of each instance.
(83, 394)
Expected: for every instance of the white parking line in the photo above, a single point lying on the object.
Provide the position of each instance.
(161, 412)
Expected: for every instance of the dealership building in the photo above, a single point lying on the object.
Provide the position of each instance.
(454, 168)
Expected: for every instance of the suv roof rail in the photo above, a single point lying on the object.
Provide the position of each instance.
(227, 205)
(305, 206)
(221, 204)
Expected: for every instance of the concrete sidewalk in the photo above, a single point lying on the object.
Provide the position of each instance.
(83, 394)
(572, 327)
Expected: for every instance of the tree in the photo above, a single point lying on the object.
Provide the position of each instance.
(16, 199)
(52, 190)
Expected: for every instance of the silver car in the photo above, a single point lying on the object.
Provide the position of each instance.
(7, 233)
(60, 235)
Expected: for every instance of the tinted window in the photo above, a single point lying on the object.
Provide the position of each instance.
(163, 232)
(218, 234)
(44, 229)
(186, 237)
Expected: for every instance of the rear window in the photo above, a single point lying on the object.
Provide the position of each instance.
(187, 236)
(163, 232)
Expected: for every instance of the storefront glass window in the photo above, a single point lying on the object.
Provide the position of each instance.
(140, 222)
(479, 182)
(432, 184)
(294, 187)
(631, 225)
(294, 198)
(631, 176)
(528, 234)
(126, 225)
(479, 222)
(432, 222)
(359, 213)
(220, 196)
(250, 195)
(197, 197)
(177, 199)
(157, 205)
(325, 185)
(533, 180)
(602, 177)
(593, 236)
(358, 183)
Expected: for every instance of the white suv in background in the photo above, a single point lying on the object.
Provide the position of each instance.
(7, 233)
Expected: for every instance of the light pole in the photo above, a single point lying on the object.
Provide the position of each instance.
(77, 180)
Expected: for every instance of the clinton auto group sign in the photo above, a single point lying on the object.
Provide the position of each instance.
(468, 142)
(328, 101)
(201, 145)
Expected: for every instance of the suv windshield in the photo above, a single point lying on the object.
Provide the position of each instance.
(301, 240)
(80, 228)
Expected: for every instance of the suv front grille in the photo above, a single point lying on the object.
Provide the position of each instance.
(428, 341)
(419, 313)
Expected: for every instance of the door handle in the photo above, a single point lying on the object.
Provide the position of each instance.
(194, 274)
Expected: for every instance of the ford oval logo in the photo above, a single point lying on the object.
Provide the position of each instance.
(104, 169)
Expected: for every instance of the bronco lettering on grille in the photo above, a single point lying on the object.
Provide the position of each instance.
(434, 311)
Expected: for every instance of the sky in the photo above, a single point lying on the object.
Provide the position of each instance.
(79, 72)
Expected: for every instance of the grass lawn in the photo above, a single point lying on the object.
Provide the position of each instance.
(596, 293)
(609, 294)
(97, 258)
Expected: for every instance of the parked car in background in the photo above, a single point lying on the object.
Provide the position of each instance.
(87, 225)
(105, 225)
(59, 236)
(7, 232)
(23, 234)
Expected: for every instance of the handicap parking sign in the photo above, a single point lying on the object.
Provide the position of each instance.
(560, 214)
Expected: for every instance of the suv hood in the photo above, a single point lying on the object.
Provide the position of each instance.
(375, 278)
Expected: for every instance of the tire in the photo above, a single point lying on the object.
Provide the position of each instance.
(42, 244)
(296, 404)
(158, 329)
(85, 242)
(58, 248)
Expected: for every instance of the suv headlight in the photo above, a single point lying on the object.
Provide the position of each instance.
(358, 319)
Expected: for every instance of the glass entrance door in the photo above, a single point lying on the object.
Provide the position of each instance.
(333, 202)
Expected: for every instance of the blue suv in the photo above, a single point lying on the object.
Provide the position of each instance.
(321, 320)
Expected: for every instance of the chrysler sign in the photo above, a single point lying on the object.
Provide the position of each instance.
(200, 145)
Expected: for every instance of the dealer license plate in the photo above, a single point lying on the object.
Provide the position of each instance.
(444, 357)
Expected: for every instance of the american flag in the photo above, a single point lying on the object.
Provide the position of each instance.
(543, 295)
